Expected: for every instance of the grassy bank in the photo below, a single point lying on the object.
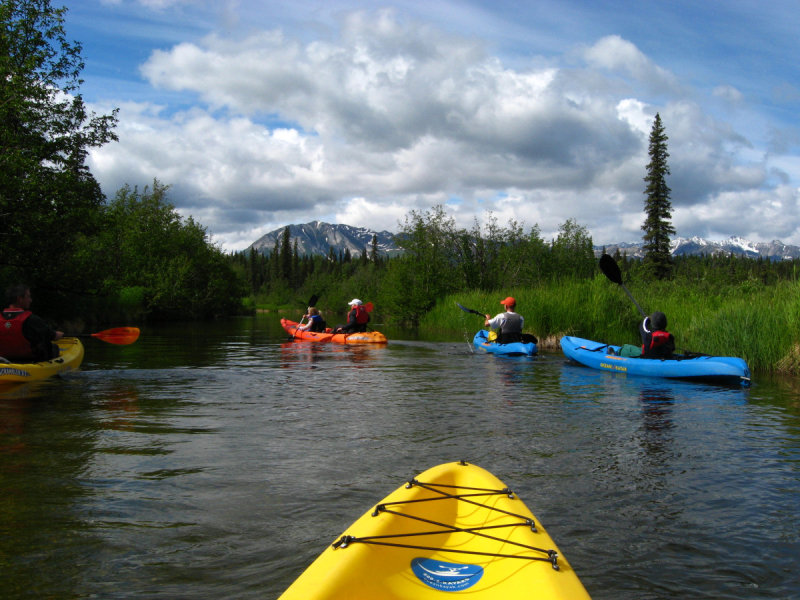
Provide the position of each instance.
(758, 323)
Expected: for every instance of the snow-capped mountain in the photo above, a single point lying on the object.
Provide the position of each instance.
(774, 250)
(318, 238)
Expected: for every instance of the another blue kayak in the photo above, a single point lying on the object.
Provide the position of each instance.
(481, 340)
(605, 357)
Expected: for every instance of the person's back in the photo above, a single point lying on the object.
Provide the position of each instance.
(25, 337)
(14, 346)
(657, 342)
(508, 324)
(317, 323)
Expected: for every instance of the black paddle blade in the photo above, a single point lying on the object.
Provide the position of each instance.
(313, 300)
(469, 310)
(610, 269)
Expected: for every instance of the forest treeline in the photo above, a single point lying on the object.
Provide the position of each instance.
(440, 259)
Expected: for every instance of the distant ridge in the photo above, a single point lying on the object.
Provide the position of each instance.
(318, 237)
(695, 246)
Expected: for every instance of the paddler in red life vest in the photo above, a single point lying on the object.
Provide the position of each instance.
(357, 318)
(24, 337)
(657, 342)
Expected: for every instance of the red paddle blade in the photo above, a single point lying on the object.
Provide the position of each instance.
(121, 336)
(368, 306)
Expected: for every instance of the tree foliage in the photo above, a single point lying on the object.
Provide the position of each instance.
(658, 208)
(150, 262)
(48, 197)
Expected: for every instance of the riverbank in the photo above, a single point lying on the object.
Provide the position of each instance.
(756, 322)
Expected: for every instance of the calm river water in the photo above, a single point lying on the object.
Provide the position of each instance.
(218, 460)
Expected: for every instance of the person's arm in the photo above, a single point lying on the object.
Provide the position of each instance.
(36, 329)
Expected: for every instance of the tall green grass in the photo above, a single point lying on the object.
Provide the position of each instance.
(758, 323)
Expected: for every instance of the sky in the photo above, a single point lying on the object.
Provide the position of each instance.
(261, 114)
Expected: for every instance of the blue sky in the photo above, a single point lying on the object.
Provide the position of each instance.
(262, 114)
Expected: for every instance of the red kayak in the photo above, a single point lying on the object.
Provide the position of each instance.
(366, 337)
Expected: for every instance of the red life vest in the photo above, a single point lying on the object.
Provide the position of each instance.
(657, 338)
(362, 316)
(13, 344)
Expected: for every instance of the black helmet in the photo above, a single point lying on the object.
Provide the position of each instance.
(658, 321)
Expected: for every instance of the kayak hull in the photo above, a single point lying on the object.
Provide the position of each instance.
(605, 357)
(487, 545)
(481, 340)
(366, 337)
(69, 360)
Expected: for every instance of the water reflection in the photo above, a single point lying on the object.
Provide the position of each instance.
(217, 461)
(296, 353)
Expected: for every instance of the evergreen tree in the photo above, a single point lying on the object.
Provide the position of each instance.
(286, 255)
(657, 226)
(374, 251)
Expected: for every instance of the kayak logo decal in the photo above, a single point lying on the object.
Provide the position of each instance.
(445, 576)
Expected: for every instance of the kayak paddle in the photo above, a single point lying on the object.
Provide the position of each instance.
(469, 310)
(610, 269)
(122, 336)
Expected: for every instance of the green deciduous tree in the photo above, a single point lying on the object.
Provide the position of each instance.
(48, 197)
(428, 268)
(573, 252)
(148, 261)
(657, 225)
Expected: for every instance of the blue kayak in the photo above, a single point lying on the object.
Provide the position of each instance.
(481, 340)
(605, 357)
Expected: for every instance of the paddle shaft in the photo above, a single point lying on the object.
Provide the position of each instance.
(469, 310)
(641, 312)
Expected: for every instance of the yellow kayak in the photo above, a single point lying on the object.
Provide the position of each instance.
(453, 528)
(69, 360)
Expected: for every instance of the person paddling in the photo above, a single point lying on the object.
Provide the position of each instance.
(24, 336)
(315, 321)
(509, 323)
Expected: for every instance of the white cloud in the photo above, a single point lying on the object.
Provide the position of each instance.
(617, 55)
(728, 93)
(394, 115)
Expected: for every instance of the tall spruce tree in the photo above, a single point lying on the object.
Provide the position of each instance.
(657, 226)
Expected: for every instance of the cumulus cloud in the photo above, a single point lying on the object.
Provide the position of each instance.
(616, 55)
(391, 115)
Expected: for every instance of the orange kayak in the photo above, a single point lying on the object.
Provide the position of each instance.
(366, 337)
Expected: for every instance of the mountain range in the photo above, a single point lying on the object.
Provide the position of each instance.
(318, 237)
(695, 246)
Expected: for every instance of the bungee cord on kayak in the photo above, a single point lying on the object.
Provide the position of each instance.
(551, 556)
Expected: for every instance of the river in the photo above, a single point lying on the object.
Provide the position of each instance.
(218, 460)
